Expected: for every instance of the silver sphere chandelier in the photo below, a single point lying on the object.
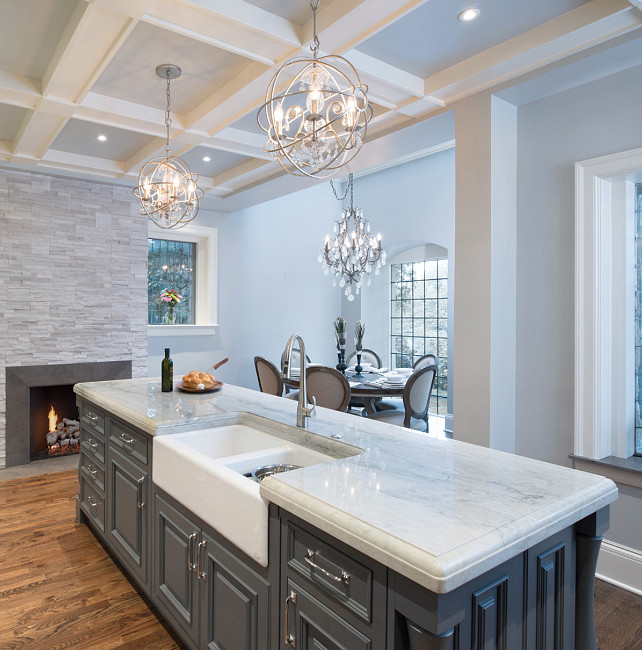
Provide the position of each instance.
(352, 252)
(316, 112)
(166, 187)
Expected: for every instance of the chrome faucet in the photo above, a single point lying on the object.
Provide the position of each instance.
(303, 411)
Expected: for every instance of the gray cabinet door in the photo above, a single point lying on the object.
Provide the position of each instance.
(235, 607)
(127, 514)
(313, 626)
(174, 573)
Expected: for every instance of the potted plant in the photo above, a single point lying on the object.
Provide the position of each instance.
(359, 331)
(340, 336)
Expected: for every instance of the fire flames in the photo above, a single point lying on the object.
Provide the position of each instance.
(53, 419)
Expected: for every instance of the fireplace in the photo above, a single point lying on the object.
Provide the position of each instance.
(32, 391)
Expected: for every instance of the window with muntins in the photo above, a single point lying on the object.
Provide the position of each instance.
(419, 320)
(638, 319)
(171, 265)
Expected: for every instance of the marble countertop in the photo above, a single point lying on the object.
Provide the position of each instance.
(439, 512)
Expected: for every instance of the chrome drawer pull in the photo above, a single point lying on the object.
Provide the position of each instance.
(344, 577)
(90, 468)
(201, 574)
(190, 564)
(92, 416)
(90, 441)
(141, 502)
(91, 502)
(128, 440)
(288, 639)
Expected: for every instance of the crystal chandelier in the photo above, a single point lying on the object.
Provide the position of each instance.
(353, 252)
(166, 187)
(316, 112)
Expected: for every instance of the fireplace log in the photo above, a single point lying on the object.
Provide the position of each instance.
(52, 437)
(76, 433)
(71, 423)
(60, 425)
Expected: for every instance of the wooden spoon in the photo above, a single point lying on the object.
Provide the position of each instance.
(220, 363)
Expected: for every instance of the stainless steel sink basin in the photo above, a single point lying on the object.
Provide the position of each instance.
(204, 471)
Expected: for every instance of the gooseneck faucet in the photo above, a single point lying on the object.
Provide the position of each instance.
(303, 411)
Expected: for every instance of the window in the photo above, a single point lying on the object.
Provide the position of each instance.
(419, 320)
(183, 260)
(171, 265)
(638, 319)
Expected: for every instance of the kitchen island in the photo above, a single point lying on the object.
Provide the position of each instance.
(459, 546)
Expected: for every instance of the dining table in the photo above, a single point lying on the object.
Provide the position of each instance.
(362, 387)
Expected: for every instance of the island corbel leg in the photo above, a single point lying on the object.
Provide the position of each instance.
(423, 640)
(588, 539)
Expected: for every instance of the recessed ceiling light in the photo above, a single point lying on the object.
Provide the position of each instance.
(468, 15)
(102, 138)
(206, 159)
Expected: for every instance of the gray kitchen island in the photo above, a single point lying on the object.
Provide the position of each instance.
(392, 540)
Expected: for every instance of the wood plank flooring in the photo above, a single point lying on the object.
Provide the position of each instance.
(60, 589)
(58, 586)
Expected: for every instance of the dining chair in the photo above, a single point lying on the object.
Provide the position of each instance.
(330, 388)
(416, 398)
(269, 377)
(367, 356)
(426, 360)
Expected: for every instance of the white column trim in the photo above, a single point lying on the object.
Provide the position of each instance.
(593, 303)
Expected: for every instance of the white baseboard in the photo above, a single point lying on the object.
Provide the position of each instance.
(621, 566)
(448, 423)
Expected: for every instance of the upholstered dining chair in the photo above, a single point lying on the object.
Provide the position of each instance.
(330, 388)
(416, 398)
(426, 360)
(367, 356)
(269, 377)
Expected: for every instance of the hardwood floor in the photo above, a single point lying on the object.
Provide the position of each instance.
(60, 589)
(58, 586)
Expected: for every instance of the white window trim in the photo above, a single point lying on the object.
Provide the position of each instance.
(206, 240)
(604, 350)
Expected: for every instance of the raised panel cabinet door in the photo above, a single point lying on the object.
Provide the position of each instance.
(127, 512)
(175, 581)
(235, 605)
(310, 625)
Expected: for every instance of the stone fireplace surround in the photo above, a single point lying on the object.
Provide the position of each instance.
(21, 379)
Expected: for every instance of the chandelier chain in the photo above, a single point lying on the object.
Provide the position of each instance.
(348, 189)
(315, 5)
(168, 119)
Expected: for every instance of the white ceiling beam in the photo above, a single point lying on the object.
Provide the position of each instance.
(37, 132)
(92, 37)
(76, 162)
(234, 26)
(637, 4)
(588, 25)
(386, 74)
(236, 173)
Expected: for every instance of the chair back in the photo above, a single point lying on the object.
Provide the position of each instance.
(295, 359)
(269, 377)
(367, 356)
(330, 388)
(416, 394)
(426, 360)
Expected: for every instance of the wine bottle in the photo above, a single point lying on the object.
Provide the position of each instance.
(167, 373)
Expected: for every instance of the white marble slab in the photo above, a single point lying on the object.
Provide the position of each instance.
(440, 512)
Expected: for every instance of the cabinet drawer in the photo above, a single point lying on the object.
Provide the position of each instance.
(92, 470)
(93, 503)
(93, 419)
(92, 445)
(131, 444)
(336, 573)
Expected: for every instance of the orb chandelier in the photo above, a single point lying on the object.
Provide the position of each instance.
(352, 252)
(316, 112)
(166, 187)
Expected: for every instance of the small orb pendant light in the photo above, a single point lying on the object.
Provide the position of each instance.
(167, 188)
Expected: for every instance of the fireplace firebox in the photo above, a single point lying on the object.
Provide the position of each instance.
(33, 391)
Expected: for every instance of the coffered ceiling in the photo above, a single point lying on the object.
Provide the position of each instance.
(71, 70)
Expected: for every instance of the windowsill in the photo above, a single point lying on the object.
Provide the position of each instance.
(627, 471)
(181, 330)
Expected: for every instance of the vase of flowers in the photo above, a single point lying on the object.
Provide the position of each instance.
(340, 336)
(172, 298)
(359, 331)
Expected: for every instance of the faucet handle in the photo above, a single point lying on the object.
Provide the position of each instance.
(311, 411)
